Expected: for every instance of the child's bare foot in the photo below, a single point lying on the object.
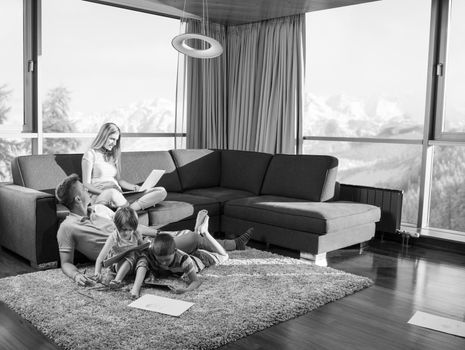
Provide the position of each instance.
(134, 294)
(203, 228)
(114, 284)
(201, 215)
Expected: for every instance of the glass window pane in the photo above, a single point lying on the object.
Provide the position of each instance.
(454, 103)
(378, 165)
(11, 65)
(66, 145)
(129, 144)
(9, 149)
(447, 206)
(366, 70)
(113, 65)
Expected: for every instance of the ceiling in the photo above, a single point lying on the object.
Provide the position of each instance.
(230, 12)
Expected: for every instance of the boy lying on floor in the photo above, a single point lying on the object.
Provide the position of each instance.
(162, 257)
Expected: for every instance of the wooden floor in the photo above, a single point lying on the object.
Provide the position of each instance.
(406, 280)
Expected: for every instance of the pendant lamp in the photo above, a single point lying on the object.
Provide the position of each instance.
(211, 47)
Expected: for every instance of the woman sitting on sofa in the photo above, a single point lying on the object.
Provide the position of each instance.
(101, 167)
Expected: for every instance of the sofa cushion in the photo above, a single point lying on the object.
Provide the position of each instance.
(309, 177)
(199, 202)
(243, 170)
(44, 172)
(301, 215)
(167, 212)
(198, 168)
(136, 166)
(220, 194)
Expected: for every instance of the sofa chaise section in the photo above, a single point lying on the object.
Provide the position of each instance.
(297, 208)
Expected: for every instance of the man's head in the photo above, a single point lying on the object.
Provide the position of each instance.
(71, 192)
(163, 248)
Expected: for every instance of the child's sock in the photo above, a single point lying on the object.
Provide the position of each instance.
(242, 240)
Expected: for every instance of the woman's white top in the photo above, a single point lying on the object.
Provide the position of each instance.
(102, 173)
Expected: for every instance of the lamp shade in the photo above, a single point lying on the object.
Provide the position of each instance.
(179, 43)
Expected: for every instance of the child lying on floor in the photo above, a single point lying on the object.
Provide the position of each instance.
(162, 257)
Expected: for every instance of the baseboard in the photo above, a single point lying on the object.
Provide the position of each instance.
(426, 242)
(440, 244)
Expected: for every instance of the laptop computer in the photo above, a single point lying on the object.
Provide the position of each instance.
(151, 180)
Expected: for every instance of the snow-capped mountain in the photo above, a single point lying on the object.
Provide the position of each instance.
(152, 116)
(345, 116)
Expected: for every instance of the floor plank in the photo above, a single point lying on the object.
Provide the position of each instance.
(406, 280)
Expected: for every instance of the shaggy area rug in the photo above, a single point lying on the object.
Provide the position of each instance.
(250, 292)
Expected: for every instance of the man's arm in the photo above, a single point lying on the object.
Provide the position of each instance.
(70, 270)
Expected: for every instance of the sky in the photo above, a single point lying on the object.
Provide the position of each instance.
(394, 65)
(107, 57)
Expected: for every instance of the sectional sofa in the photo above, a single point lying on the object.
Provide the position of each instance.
(292, 200)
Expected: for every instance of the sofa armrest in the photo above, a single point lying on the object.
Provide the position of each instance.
(28, 224)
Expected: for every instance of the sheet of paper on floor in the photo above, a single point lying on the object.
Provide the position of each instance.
(438, 323)
(172, 307)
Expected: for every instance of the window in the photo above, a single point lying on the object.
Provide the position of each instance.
(448, 188)
(366, 70)
(11, 65)
(379, 165)
(11, 84)
(447, 197)
(9, 149)
(365, 93)
(453, 118)
(102, 63)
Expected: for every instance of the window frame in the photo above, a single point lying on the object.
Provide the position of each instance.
(441, 75)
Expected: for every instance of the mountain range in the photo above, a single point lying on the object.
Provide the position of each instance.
(153, 116)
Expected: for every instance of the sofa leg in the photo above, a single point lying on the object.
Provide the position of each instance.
(362, 247)
(318, 259)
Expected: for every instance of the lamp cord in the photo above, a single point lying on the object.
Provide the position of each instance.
(183, 17)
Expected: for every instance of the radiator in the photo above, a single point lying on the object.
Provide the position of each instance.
(390, 202)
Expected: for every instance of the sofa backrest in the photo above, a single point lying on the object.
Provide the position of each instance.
(309, 177)
(136, 166)
(198, 168)
(44, 172)
(243, 170)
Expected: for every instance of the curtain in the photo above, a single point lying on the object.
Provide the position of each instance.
(265, 79)
(206, 102)
(250, 97)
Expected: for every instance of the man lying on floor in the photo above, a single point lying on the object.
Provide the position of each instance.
(88, 233)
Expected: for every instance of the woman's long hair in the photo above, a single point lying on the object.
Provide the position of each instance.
(99, 142)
